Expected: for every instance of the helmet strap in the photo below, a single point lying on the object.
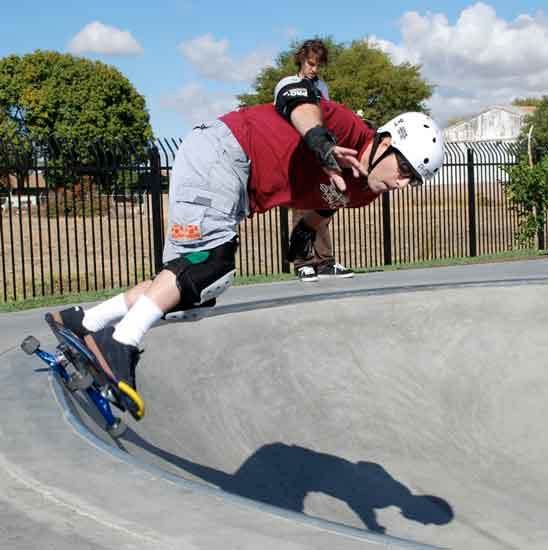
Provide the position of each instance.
(376, 142)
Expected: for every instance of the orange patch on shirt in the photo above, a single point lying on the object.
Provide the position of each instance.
(188, 232)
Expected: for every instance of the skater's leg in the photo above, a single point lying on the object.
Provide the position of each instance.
(207, 201)
(161, 296)
(113, 309)
(185, 282)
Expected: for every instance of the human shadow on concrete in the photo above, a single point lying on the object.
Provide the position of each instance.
(283, 475)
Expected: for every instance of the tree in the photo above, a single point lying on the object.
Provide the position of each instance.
(539, 121)
(526, 102)
(527, 190)
(527, 187)
(360, 76)
(68, 103)
(45, 94)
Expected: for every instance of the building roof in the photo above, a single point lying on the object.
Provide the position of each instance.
(513, 109)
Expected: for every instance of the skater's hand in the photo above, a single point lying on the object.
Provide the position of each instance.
(346, 158)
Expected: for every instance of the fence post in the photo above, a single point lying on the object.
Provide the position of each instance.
(156, 200)
(540, 233)
(472, 236)
(284, 236)
(541, 240)
(386, 229)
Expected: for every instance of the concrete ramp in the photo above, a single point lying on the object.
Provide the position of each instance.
(417, 413)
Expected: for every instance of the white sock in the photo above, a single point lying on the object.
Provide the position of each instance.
(131, 329)
(100, 316)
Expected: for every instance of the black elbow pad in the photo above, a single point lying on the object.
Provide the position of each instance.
(292, 92)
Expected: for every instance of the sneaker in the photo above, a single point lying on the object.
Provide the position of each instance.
(307, 274)
(335, 270)
(116, 359)
(70, 318)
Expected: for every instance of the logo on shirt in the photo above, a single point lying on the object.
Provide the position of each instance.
(294, 92)
(332, 196)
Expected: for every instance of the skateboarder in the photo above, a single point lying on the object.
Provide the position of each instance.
(301, 152)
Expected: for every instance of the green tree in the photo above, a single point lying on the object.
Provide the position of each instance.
(539, 121)
(526, 101)
(360, 76)
(67, 102)
(527, 189)
(45, 94)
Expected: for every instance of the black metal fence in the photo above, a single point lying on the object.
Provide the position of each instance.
(94, 219)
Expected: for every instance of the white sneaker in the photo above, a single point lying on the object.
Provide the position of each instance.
(307, 274)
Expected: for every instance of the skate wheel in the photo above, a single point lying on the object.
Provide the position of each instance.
(78, 381)
(117, 429)
(30, 345)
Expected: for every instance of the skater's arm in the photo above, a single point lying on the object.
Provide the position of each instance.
(298, 101)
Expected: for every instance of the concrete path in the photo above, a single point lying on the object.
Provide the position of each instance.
(363, 413)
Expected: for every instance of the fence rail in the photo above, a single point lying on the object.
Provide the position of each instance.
(94, 218)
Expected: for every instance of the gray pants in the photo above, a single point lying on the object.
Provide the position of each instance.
(207, 192)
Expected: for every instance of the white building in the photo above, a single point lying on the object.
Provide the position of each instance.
(499, 122)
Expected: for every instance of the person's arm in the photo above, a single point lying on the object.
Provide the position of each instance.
(297, 100)
(307, 120)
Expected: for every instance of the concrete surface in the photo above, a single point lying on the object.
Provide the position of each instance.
(362, 413)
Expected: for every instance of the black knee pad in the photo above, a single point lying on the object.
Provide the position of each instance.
(301, 242)
(202, 276)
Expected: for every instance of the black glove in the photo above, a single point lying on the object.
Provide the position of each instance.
(301, 242)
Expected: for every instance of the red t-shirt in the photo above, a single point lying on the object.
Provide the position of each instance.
(284, 172)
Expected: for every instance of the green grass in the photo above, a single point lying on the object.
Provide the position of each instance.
(46, 301)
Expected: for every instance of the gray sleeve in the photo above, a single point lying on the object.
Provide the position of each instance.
(322, 87)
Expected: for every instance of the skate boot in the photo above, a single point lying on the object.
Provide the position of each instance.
(118, 362)
(70, 318)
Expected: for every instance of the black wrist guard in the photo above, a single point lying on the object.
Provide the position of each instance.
(321, 142)
(301, 242)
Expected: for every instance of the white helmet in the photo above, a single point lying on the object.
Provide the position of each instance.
(419, 139)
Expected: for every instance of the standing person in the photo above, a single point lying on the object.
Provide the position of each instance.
(311, 56)
(302, 152)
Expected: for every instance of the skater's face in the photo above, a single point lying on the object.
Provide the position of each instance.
(392, 172)
(310, 66)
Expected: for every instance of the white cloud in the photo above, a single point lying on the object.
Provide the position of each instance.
(211, 59)
(197, 105)
(480, 60)
(104, 39)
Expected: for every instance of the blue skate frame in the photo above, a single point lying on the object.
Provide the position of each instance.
(102, 404)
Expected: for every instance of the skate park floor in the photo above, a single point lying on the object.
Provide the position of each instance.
(392, 410)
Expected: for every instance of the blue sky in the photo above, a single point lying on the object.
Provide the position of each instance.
(189, 58)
